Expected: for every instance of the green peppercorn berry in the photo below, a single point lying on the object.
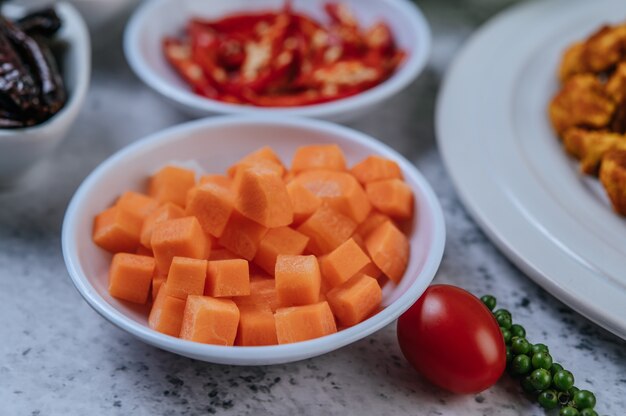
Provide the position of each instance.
(568, 411)
(555, 367)
(540, 378)
(542, 360)
(520, 345)
(506, 334)
(539, 347)
(563, 380)
(509, 354)
(527, 386)
(588, 412)
(502, 311)
(489, 301)
(563, 397)
(504, 320)
(518, 331)
(584, 399)
(572, 391)
(548, 399)
(520, 365)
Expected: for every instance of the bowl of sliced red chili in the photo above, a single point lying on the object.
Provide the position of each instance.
(314, 58)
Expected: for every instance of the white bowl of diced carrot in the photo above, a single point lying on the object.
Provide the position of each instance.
(249, 240)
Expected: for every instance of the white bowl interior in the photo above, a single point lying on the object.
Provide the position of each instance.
(161, 18)
(214, 145)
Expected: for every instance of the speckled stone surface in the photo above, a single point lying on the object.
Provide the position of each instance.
(58, 357)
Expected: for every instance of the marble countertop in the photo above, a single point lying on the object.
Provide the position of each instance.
(58, 357)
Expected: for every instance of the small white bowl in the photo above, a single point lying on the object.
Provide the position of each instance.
(20, 149)
(215, 143)
(159, 18)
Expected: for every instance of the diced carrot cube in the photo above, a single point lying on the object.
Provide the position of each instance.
(343, 263)
(340, 190)
(242, 236)
(301, 323)
(262, 292)
(327, 229)
(281, 240)
(265, 157)
(261, 195)
(166, 315)
(222, 254)
(303, 201)
(212, 205)
(376, 168)
(389, 250)
(116, 230)
(139, 205)
(370, 268)
(167, 211)
(227, 278)
(157, 283)
(298, 280)
(256, 326)
(186, 277)
(130, 277)
(182, 237)
(171, 184)
(355, 300)
(325, 156)
(373, 220)
(392, 197)
(219, 180)
(210, 321)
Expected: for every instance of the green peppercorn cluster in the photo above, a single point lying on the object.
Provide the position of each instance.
(548, 382)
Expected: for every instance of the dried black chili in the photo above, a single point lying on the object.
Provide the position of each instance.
(45, 22)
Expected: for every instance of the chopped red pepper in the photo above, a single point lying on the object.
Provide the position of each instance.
(283, 58)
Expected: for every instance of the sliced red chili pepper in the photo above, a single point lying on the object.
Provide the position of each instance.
(204, 48)
(179, 56)
(242, 24)
(341, 15)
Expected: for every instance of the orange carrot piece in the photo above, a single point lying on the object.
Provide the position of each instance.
(227, 278)
(389, 250)
(182, 237)
(212, 205)
(256, 326)
(376, 168)
(370, 269)
(262, 293)
(171, 184)
(139, 205)
(343, 263)
(340, 190)
(222, 254)
(242, 236)
(210, 321)
(392, 197)
(261, 195)
(355, 300)
(167, 211)
(130, 277)
(166, 315)
(219, 180)
(327, 229)
(157, 283)
(324, 156)
(373, 220)
(298, 280)
(303, 201)
(301, 323)
(281, 240)
(116, 230)
(265, 157)
(186, 277)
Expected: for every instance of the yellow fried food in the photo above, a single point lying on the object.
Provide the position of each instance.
(605, 48)
(572, 62)
(589, 146)
(581, 102)
(613, 177)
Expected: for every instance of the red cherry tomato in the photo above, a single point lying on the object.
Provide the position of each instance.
(450, 337)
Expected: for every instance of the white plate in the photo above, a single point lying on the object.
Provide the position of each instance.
(509, 168)
(215, 144)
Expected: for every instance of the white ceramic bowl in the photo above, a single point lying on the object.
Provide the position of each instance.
(215, 143)
(159, 18)
(20, 149)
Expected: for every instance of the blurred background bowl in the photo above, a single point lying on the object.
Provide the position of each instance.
(21, 149)
(155, 19)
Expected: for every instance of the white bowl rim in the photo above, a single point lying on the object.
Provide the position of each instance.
(275, 353)
(82, 67)
(406, 73)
